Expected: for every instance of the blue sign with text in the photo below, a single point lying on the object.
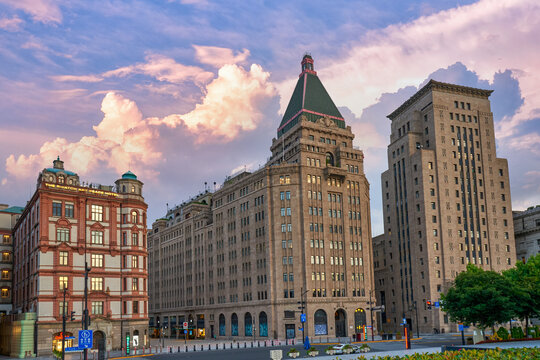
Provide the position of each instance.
(303, 318)
(86, 338)
(437, 304)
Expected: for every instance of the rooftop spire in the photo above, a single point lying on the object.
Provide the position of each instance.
(58, 164)
(307, 65)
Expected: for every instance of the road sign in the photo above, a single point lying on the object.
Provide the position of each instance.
(86, 338)
(185, 331)
(404, 321)
(460, 327)
(72, 349)
(185, 325)
(436, 304)
(303, 318)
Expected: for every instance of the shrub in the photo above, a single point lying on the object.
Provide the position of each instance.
(503, 333)
(517, 333)
(494, 354)
(292, 350)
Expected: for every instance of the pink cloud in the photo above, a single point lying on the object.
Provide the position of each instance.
(81, 78)
(11, 24)
(219, 56)
(485, 36)
(45, 11)
(164, 69)
(233, 103)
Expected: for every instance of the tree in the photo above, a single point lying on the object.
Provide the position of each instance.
(478, 297)
(525, 277)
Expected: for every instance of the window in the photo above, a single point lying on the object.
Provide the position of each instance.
(135, 284)
(61, 306)
(134, 262)
(288, 195)
(5, 292)
(57, 209)
(135, 239)
(282, 195)
(69, 210)
(97, 237)
(134, 217)
(62, 234)
(97, 260)
(97, 307)
(63, 258)
(63, 282)
(96, 284)
(97, 213)
(135, 307)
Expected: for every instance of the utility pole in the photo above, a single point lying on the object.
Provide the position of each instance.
(85, 311)
(302, 307)
(370, 316)
(416, 311)
(64, 323)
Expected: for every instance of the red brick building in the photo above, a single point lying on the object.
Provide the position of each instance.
(65, 224)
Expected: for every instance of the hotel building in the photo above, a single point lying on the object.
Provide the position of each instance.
(240, 261)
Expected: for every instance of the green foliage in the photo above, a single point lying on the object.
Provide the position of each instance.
(534, 331)
(292, 350)
(517, 333)
(503, 333)
(478, 297)
(525, 278)
(495, 354)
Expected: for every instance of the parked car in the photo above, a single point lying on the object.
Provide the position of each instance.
(338, 349)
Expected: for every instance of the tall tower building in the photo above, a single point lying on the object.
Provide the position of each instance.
(295, 230)
(446, 201)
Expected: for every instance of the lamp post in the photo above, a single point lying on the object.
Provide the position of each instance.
(415, 308)
(64, 323)
(85, 312)
(371, 315)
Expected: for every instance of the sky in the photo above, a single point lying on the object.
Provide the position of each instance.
(187, 92)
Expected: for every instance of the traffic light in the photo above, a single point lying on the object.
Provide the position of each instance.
(302, 305)
(72, 317)
(428, 303)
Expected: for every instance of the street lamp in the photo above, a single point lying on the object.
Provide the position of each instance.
(415, 308)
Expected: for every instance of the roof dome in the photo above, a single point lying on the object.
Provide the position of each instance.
(129, 175)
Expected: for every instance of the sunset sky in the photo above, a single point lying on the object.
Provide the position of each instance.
(183, 92)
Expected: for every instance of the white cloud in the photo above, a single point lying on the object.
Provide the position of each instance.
(219, 56)
(485, 36)
(81, 78)
(11, 24)
(45, 11)
(234, 103)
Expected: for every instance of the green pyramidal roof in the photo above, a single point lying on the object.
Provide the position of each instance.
(309, 98)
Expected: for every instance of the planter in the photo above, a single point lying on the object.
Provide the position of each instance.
(294, 355)
(313, 353)
(347, 351)
(330, 352)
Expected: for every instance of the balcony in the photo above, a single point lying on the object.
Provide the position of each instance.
(334, 171)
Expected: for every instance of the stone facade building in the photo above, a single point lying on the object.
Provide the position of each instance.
(8, 218)
(65, 225)
(527, 232)
(446, 201)
(238, 262)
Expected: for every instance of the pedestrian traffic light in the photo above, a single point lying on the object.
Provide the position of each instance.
(72, 317)
(428, 304)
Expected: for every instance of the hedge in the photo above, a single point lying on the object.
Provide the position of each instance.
(495, 354)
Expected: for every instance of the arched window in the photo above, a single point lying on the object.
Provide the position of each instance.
(133, 188)
(134, 217)
(248, 326)
(221, 325)
(359, 320)
(263, 324)
(123, 188)
(329, 159)
(234, 324)
(61, 179)
(321, 322)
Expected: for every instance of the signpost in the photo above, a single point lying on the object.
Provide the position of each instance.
(86, 338)
(185, 332)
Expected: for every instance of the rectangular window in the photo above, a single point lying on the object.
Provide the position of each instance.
(62, 234)
(135, 239)
(97, 213)
(63, 258)
(288, 195)
(96, 284)
(97, 307)
(135, 307)
(69, 210)
(135, 261)
(97, 237)
(62, 282)
(57, 209)
(96, 260)
(135, 284)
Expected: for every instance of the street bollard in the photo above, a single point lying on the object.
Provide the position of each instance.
(194, 349)
(202, 348)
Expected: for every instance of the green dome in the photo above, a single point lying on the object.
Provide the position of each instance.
(129, 175)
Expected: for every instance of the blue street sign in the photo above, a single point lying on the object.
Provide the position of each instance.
(185, 331)
(436, 304)
(86, 338)
(303, 318)
(404, 321)
(72, 349)
(460, 327)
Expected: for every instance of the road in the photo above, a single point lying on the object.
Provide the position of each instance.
(263, 353)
